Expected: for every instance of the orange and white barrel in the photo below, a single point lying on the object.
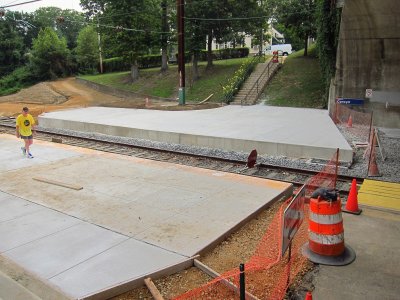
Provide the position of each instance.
(325, 232)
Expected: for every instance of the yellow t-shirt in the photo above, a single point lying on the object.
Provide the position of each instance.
(25, 124)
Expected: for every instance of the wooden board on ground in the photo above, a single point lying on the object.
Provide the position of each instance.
(59, 183)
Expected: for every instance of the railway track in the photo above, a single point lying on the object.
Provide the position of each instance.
(291, 175)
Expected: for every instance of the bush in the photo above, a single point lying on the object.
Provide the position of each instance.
(18, 79)
(149, 61)
(119, 64)
(239, 77)
(115, 64)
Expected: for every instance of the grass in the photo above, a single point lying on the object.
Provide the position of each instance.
(154, 83)
(298, 83)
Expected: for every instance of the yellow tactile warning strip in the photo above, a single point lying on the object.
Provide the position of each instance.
(380, 194)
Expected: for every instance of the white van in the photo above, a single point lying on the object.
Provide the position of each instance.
(283, 49)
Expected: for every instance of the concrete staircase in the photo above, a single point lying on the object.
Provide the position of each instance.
(255, 84)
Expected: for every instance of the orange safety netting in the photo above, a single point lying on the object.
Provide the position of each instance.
(356, 123)
(267, 275)
(326, 178)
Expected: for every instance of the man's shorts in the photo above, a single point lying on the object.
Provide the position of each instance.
(27, 137)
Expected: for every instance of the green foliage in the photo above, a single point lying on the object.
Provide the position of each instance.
(299, 17)
(11, 48)
(239, 77)
(87, 52)
(117, 64)
(218, 20)
(47, 17)
(49, 56)
(226, 53)
(19, 78)
(328, 25)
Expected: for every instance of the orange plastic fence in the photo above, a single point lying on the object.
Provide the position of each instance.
(267, 274)
(356, 123)
(264, 264)
(326, 178)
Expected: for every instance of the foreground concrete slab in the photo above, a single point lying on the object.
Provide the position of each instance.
(278, 131)
(133, 217)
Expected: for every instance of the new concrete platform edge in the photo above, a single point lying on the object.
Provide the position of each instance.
(228, 144)
(11, 289)
(283, 195)
(137, 282)
(37, 286)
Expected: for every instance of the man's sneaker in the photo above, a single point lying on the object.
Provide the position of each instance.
(23, 150)
(29, 155)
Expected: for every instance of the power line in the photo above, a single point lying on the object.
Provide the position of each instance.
(118, 27)
(22, 3)
(227, 19)
(12, 2)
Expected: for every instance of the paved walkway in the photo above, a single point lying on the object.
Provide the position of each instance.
(375, 274)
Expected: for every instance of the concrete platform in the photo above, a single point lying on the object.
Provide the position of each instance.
(133, 218)
(375, 274)
(277, 131)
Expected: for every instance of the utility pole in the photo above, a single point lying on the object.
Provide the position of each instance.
(99, 41)
(181, 50)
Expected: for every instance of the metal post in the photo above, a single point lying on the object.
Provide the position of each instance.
(370, 128)
(337, 167)
(289, 257)
(181, 50)
(242, 283)
(99, 42)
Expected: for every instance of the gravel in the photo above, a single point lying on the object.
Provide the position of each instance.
(388, 168)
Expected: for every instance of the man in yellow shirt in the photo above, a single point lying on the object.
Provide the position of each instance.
(25, 125)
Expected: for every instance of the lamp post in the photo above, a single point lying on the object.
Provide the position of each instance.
(181, 50)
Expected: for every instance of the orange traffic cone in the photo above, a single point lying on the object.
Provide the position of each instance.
(350, 122)
(352, 202)
(308, 296)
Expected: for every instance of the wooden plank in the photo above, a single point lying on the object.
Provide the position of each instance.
(205, 100)
(227, 283)
(59, 183)
(153, 289)
(380, 144)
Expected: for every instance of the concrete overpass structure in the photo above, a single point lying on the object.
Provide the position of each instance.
(368, 57)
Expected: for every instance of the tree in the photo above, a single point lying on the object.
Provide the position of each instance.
(87, 51)
(133, 27)
(164, 36)
(68, 26)
(299, 17)
(11, 47)
(219, 20)
(328, 24)
(49, 55)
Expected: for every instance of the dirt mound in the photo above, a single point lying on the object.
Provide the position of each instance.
(41, 93)
(68, 93)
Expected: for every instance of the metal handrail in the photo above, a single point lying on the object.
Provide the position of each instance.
(256, 83)
(243, 79)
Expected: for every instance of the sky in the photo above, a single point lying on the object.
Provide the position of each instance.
(31, 7)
